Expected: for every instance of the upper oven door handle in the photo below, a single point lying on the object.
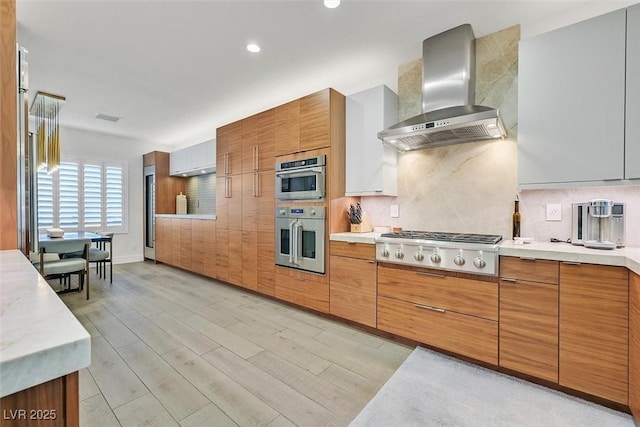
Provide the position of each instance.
(305, 171)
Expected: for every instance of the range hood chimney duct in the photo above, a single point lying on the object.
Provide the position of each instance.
(449, 115)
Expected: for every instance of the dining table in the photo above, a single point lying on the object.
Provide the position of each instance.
(72, 235)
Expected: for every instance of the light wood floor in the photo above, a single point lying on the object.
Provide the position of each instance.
(173, 348)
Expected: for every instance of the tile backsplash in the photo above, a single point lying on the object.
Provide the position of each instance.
(201, 194)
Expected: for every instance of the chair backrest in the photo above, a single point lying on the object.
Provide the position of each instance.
(62, 246)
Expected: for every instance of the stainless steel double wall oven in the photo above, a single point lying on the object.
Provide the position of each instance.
(300, 228)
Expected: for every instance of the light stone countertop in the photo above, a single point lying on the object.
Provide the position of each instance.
(625, 257)
(40, 339)
(187, 216)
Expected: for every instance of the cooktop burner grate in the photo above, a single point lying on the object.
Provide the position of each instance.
(445, 237)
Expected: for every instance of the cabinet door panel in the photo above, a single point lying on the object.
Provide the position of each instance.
(315, 121)
(287, 123)
(352, 250)
(185, 243)
(594, 325)
(531, 270)
(266, 263)
(353, 289)
(632, 132)
(235, 257)
(529, 328)
(249, 201)
(634, 344)
(222, 204)
(266, 140)
(571, 81)
(209, 258)
(250, 259)
(163, 240)
(222, 254)
(307, 293)
(466, 335)
(249, 144)
(197, 245)
(234, 203)
(266, 201)
(176, 255)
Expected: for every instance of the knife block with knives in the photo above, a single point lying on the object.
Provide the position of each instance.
(358, 219)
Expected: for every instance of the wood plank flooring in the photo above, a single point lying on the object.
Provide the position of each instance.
(173, 348)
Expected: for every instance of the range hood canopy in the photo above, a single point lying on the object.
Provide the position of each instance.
(448, 93)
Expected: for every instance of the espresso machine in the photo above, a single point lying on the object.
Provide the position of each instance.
(598, 224)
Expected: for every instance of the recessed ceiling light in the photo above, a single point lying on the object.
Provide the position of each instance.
(332, 4)
(253, 48)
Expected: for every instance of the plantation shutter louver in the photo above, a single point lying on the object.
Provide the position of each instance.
(45, 200)
(114, 196)
(92, 196)
(69, 205)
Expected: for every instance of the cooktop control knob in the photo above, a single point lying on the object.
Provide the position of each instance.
(384, 252)
(479, 262)
(312, 212)
(419, 256)
(458, 260)
(283, 211)
(435, 258)
(399, 254)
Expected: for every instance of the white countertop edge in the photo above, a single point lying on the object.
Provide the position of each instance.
(187, 216)
(40, 339)
(623, 257)
(355, 237)
(44, 366)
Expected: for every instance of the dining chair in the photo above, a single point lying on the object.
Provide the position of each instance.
(103, 254)
(63, 267)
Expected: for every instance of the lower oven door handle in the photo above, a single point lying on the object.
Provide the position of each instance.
(291, 242)
(299, 232)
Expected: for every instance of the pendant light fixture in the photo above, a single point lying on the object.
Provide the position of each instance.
(45, 109)
(331, 4)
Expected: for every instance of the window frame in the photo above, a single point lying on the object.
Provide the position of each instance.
(103, 226)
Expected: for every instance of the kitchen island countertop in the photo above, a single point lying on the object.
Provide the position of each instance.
(40, 339)
(355, 237)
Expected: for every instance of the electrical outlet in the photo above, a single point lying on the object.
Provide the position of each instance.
(393, 211)
(554, 212)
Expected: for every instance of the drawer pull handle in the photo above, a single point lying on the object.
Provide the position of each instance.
(508, 279)
(299, 279)
(351, 243)
(428, 307)
(526, 258)
(439, 276)
(571, 263)
(371, 261)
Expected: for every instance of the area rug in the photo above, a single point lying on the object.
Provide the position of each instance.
(431, 389)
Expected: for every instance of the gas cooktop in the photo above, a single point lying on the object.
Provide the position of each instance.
(469, 253)
(490, 239)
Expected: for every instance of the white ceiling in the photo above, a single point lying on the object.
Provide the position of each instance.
(176, 70)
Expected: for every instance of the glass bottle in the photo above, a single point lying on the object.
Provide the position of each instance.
(516, 218)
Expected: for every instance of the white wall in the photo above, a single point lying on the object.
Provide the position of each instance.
(80, 144)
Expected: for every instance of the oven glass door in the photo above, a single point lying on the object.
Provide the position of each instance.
(300, 244)
(300, 184)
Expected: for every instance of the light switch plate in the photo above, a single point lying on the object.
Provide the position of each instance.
(554, 212)
(393, 211)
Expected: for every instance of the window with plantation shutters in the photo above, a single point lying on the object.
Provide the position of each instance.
(83, 196)
(92, 196)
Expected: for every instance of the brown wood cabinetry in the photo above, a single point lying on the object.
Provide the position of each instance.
(163, 240)
(229, 149)
(197, 246)
(305, 289)
(209, 251)
(453, 313)
(54, 403)
(634, 345)
(353, 282)
(594, 326)
(529, 316)
(258, 142)
(306, 124)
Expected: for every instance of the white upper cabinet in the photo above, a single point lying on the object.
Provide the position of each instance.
(371, 168)
(194, 160)
(571, 103)
(632, 135)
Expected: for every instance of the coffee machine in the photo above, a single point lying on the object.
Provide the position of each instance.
(598, 224)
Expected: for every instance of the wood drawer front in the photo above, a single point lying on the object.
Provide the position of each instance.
(353, 250)
(353, 290)
(466, 296)
(529, 328)
(466, 335)
(303, 292)
(594, 327)
(532, 270)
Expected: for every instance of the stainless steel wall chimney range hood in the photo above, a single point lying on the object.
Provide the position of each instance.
(449, 115)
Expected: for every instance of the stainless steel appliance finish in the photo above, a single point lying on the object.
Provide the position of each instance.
(467, 253)
(598, 224)
(149, 212)
(448, 96)
(302, 179)
(300, 233)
